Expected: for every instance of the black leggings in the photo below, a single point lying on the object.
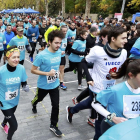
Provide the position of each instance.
(54, 96)
(21, 62)
(104, 126)
(72, 66)
(33, 46)
(82, 96)
(11, 119)
(1, 52)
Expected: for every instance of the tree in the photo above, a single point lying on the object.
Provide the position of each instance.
(46, 7)
(135, 4)
(63, 8)
(88, 6)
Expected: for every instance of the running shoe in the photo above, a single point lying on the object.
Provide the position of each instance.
(63, 86)
(69, 115)
(74, 71)
(37, 51)
(74, 101)
(55, 130)
(5, 128)
(91, 122)
(34, 108)
(31, 59)
(80, 87)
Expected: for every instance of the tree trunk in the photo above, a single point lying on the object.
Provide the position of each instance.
(37, 4)
(63, 8)
(88, 6)
(46, 5)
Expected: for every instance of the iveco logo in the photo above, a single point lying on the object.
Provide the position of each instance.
(112, 63)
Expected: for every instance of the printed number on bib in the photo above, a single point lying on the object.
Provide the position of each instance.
(21, 48)
(52, 79)
(43, 40)
(131, 106)
(108, 83)
(1, 46)
(33, 39)
(11, 95)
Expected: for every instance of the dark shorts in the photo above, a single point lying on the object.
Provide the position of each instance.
(63, 61)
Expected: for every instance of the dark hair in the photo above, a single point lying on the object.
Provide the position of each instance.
(138, 33)
(130, 65)
(138, 26)
(55, 33)
(115, 32)
(12, 47)
(104, 31)
(127, 27)
(82, 32)
(64, 26)
(93, 29)
(8, 25)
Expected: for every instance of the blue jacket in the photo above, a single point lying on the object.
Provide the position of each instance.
(32, 30)
(8, 38)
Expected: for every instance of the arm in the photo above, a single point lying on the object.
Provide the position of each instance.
(37, 34)
(28, 33)
(135, 51)
(78, 52)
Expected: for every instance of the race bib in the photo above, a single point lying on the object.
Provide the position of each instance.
(131, 106)
(52, 79)
(43, 40)
(64, 45)
(33, 39)
(108, 83)
(21, 48)
(11, 95)
(1, 46)
(81, 56)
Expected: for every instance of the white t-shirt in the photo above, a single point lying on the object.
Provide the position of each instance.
(103, 64)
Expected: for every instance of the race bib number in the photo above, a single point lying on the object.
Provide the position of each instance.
(52, 79)
(33, 39)
(11, 95)
(21, 48)
(43, 40)
(108, 83)
(64, 45)
(131, 106)
(1, 46)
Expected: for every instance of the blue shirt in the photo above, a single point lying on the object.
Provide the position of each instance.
(2, 40)
(79, 46)
(10, 85)
(21, 44)
(113, 99)
(8, 37)
(52, 61)
(70, 34)
(32, 30)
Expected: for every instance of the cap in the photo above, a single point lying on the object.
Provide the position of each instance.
(19, 29)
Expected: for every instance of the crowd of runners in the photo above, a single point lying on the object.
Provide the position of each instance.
(100, 51)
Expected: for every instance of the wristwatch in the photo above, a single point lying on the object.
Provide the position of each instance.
(110, 116)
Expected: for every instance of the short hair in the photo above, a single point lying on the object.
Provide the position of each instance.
(55, 33)
(8, 25)
(93, 29)
(82, 32)
(115, 32)
(64, 26)
(104, 31)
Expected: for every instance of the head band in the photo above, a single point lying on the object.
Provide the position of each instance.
(10, 52)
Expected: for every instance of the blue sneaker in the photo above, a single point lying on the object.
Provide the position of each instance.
(31, 59)
(63, 86)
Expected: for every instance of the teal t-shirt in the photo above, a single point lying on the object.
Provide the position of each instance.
(2, 40)
(3, 28)
(70, 34)
(10, 85)
(79, 46)
(21, 44)
(47, 60)
(63, 45)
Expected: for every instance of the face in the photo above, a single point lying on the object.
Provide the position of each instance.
(21, 24)
(14, 59)
(64, 30)
(135, 80)
(9, 29)
(26, 19)
(120, 40)
(18, 24)
(5, 22)
(44, 23)
(113, 21)
(72, 25)
(34, 23)
(94, 33)
(19, 33)
(85, 35)
(133, 28)
(105, 39)
(57, 22)
(55, 45)
(124, 26)
(1, 23)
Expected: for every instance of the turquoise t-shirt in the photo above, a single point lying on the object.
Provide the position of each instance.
(112, 98)
(70, 34)
(137, 46)
(21, 44)
(47, 60)
(128, 130)
(63, 45)
(10, 85)
(3, 28)
(79, 46)
(2, 40)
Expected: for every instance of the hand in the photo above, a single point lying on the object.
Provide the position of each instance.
(52, 72)
(40, 36)
(35, 40)
(90, 83)
(62, 52)
(117, 120)
(73, 37)
(33, 34)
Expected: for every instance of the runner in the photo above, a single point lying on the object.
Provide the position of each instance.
(21, 42)
(121, 100)
(78, 53)
(63, 59)
(48, 81)
(33, 34)
(12, 76)
(106, 59)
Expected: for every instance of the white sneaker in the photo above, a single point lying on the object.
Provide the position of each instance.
(80, 87)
